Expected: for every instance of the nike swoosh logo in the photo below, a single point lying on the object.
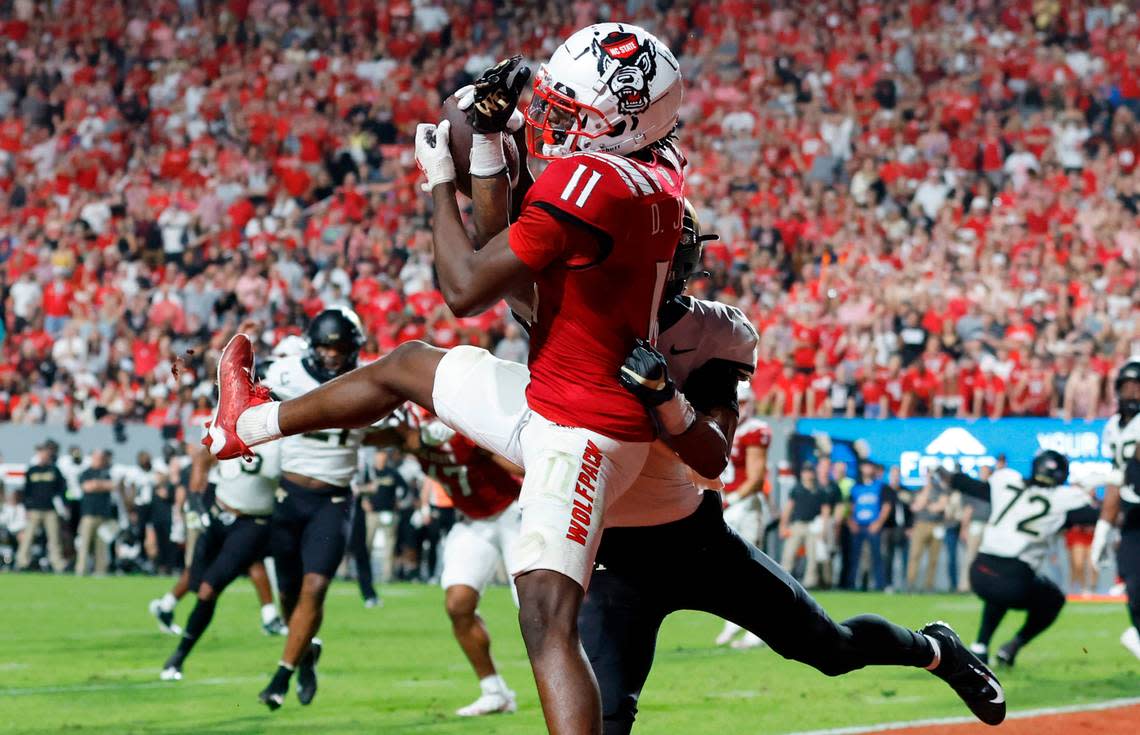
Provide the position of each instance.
(999, 697)
(658, 384)
(674, 351)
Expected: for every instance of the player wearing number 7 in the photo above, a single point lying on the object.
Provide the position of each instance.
(1027, 514)
(595, 235)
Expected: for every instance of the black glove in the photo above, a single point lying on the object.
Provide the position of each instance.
(497, 94)
(646, 376)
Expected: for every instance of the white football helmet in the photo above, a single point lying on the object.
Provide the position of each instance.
(289, 346)
(611, 87)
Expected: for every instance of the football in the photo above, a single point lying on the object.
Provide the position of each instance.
(460, 145)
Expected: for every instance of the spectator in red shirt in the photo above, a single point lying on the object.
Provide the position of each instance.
(1032, 393)
(989, 394)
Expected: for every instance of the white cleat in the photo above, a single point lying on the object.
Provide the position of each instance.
(1117, 590)
(490, 704)
(750, 640)
(171, 673)
(1131, 640)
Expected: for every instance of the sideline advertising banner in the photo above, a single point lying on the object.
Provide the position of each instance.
(918, 445)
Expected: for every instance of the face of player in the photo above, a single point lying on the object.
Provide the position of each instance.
(332, 359)
(1127, 399)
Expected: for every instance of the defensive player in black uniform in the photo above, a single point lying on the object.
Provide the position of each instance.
(1028, 514)
(644, 573)
(1122, 495)
(311, 519)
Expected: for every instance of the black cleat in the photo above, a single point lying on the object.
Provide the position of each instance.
(276, 626)
(1007, 654)
(967, 675)
(307, 672)
(273, 696)
(165, 619)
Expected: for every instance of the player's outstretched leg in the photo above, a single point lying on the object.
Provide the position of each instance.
(247, 416)
(737, 581)
(471, 632)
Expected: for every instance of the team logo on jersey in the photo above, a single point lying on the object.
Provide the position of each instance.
(631, 65)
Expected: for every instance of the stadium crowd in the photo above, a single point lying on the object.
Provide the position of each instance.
(926, 208)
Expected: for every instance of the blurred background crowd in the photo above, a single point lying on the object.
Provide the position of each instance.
(927, 208)
(116, 511)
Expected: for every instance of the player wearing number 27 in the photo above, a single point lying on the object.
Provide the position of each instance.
(1027, 515)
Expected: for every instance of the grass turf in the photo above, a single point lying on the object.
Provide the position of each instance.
(84, 655)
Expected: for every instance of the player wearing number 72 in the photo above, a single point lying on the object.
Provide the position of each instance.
(1027, 514)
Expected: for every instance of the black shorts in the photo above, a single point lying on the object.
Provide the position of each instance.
(1011, 582)
(310, 531)
(227, 548)
(1128, 564)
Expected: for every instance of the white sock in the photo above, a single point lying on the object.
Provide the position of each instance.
(268, 613)
(259, 424)
(167, 603)
(493, 684)
(937, 654)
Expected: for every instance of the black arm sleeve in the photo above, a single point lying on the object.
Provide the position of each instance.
(963, 483)
(1086, 516)
(713, 385)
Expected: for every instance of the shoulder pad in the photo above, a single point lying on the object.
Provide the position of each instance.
(726, 333)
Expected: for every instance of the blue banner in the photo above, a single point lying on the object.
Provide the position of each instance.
(919, 445)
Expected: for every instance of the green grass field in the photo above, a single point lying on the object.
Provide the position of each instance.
(84, 655)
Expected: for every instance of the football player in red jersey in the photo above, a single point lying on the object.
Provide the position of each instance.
(595, 236)
(483, 488)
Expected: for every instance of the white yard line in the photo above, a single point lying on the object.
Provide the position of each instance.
(123, 685)
(1018, 715)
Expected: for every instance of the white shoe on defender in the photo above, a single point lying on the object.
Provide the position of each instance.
(1131, 640)
(490, 704)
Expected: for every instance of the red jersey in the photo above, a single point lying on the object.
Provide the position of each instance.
(477, 486)
(599, 231)
(1035, 393)
(752, 433)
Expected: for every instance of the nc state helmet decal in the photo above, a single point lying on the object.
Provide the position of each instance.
(631, 66)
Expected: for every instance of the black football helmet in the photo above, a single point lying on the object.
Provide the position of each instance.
(338, 329)
(1050, 469)
(687, 257)
(1127, 407)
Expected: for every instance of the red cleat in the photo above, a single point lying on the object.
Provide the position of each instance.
(236, 393)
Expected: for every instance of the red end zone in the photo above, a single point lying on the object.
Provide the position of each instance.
(1121, 721)
(1114, 717)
